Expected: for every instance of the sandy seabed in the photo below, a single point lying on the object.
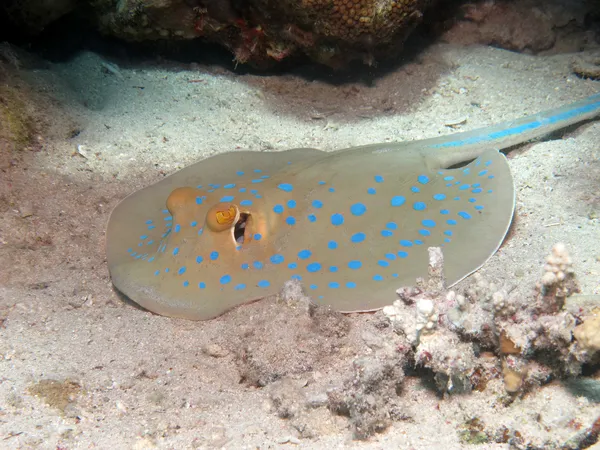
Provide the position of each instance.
(81, 368)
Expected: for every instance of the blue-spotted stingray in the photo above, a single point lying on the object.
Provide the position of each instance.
(351, 225)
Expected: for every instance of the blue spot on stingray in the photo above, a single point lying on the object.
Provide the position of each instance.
(478, 207)
(253, 191)
(151, 259)
(487, 163)
(418, 242)
(332, 245)
(168, 219)
(157, 272)
(245, 266)
(265, 176)
(334, 285)
(331, 190)
(476, 185)
(313, 286)
(186, 283)
(240, 287)
(398, 200)
(482, 173)
(446, 239)
(313, 267)
(337, 219)
(491, 177)
(239, 173)
(489, 191)
(129, 250)
(263, 284)
(148, 222)
(242, 190)
(464, 187)
(383, 263)
(444, 211)
(424, 232)
(333, 269)
(199, 259)
(277, 259)
(198, 201)
(312, 218)
(405, 243)
(257, 265)
(390, 256)
(350, 284)
(193, 224)
(175, 251)
(358, 237)
(296, 277)
(143, 236)
(225, 279)
(229, 186)
(278, 209)
(304, 254)
(377, 278)
(402, 254)
(257, 180)
(464, 215)
(177, 228)
(391, 225)
(201, 285)
(415, 189)
(466, 171)
(456, 198)
(227, 198)
(439, 196)
(428, 223)
(246, 202)
(476, 190)
(140, 244)
(257, 170)
(214, 256)
(419, 206)
(317, 204)
(451, 222)
(200, 231)
(354, 265)
(292, 265)
(257, 237)
(448, 178)
(448, 233)
(322, 182)
(151, 227)
(378, 179)
(386, 233)
(291, 203)
(358, 209)
(371, 191)
(286, 187)
(472, 200)
(290, 221)
(181, 270)
(423, 179)
(167, 270)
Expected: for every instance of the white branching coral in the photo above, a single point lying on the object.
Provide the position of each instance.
(558, 281)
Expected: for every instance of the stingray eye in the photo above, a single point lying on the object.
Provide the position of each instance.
(222, 216)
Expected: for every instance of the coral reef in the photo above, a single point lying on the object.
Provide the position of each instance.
(263, 32)
(534, 340)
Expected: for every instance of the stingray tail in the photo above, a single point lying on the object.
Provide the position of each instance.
(464, 146)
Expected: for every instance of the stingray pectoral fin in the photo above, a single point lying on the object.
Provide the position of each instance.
(486, 197)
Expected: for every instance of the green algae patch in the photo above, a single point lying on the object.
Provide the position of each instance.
(55, 393)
